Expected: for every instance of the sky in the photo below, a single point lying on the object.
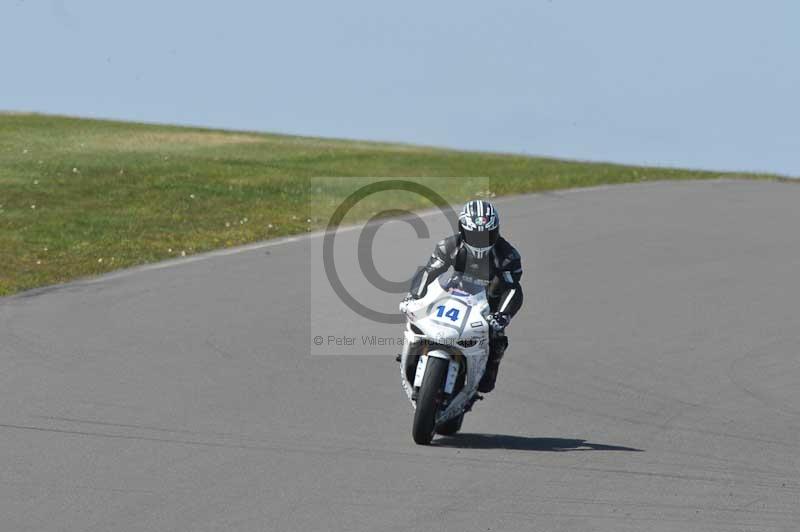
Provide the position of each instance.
(705, 84)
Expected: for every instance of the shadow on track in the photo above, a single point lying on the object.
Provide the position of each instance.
(523, 443)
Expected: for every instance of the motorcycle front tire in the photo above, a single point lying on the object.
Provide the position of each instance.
(428, 400)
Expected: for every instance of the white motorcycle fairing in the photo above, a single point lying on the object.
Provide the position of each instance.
(449, 322)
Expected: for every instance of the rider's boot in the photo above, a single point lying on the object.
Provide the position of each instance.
(489, 377)
(498, 346)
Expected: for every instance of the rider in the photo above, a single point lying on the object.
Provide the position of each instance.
(480, 254)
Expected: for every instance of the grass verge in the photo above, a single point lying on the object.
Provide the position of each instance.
(83, 197)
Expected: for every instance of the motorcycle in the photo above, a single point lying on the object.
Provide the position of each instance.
(445, 350)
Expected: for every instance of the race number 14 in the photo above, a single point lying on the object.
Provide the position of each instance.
(452, 313)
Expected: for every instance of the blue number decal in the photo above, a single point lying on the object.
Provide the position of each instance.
(452, 314)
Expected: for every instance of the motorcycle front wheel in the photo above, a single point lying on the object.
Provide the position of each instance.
(428, 400)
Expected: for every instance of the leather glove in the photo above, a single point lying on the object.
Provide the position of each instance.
(404, 303)
(498, 321)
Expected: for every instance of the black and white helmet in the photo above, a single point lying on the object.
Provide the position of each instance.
(479, 225)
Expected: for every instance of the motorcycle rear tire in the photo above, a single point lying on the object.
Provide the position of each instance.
(451, 426)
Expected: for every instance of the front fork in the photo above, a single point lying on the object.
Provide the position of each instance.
(452, 371)
(413, 349)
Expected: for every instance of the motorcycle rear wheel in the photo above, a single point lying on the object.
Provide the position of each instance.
(428, 400)
(451, 426)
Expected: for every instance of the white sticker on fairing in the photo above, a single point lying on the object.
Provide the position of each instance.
(452, 374)
(421, 364)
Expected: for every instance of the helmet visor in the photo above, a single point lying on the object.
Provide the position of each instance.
(481, 239)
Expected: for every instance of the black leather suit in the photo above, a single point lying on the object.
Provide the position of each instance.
(500, 269)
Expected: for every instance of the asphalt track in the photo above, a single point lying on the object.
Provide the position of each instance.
(651, 384)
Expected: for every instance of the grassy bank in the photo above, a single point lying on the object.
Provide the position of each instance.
(83, 197)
